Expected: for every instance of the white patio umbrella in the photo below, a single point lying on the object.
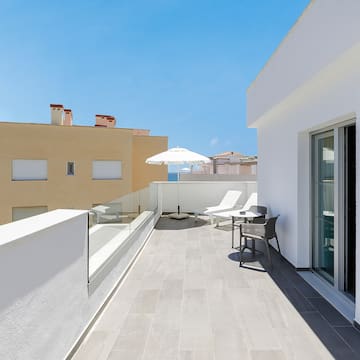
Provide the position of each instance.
(177, 156)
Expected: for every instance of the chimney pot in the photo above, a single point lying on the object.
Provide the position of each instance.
(57, 114)
(105, 120)
(68, 117)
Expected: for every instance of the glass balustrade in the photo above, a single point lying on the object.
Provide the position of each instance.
(112, 223)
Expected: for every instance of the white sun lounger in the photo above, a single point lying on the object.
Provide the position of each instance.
(228, 202)
(218, 215)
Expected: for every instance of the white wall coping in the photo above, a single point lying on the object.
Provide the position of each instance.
(205, 182)
(100, 258)
(21, 228)
(282, 43)
(103, 254)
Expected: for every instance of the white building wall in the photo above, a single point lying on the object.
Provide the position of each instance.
(310, 83)
(277, 189)
(327, 29)
(331, 97)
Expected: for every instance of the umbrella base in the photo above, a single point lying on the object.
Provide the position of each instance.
(178, 216)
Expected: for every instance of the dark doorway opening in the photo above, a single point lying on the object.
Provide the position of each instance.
(350, 211)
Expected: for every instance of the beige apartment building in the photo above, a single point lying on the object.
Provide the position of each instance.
(48, 166)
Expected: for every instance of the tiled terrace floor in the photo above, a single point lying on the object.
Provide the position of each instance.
(187, 298)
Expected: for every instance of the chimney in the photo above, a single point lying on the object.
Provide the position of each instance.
(105, 121)
(68, 117)
(111, 121)
(57, 114)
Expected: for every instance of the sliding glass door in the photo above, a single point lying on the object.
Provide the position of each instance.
(334, 207)
(323, 205)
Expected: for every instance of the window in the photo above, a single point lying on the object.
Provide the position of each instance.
(19, 213)
(106, 170)
(29, 170)
(70, 168)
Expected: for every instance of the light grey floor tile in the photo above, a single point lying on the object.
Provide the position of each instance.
(196, 355)
(229, 343)
(125, 354)
(172, 289)
(198, 338)
(145, 302)
(186, 298)
(162, 343)
(90, 348)
(195, 280)
(195, 311)
(261, 338)
(134, 332)
(267, 355)
(114, 316)
(168, 314)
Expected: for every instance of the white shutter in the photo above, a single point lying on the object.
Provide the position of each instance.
(106, 169)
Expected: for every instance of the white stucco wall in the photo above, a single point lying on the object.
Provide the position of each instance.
(311, 82)
(43, 277)
(46, 302)
(326, 30)
(196, 195)
(284, 161)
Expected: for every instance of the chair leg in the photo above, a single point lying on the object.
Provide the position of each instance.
(241, 249)
(240, 238)
(253, 247)
(268, 251)
(277, 241)
(232, 233)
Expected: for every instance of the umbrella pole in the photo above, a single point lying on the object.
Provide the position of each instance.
(177, 188)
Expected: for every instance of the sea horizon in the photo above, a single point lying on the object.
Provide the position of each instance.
(172, 176)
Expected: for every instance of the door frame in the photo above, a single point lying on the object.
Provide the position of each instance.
(339, 194)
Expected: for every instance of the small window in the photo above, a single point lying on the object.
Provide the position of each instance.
(70, 170)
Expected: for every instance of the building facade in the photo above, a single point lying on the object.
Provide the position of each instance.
(227, 166)
(58, 165)
(229, 163)
(305, 104)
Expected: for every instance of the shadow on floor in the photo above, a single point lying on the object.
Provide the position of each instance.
(224, 227)
(339, 336)
(166, 223)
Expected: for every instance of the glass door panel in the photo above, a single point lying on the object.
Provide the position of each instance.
(323, 201)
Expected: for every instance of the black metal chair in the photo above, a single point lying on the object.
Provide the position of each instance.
(236, 222)
(260, 229)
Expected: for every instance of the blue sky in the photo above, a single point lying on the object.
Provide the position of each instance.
(177, 67)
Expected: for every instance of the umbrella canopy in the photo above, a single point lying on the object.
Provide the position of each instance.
(177, 156)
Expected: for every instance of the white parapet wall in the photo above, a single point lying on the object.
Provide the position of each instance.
(217, 177)
(46, 302)
(43, 277)
(193, 196)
